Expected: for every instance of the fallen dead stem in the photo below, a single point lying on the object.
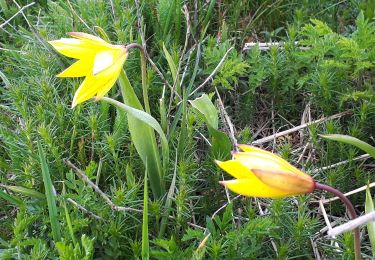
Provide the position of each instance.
(106, 198)
(297, 128)
(346, 194)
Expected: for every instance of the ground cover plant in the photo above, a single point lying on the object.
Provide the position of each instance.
(104, 180)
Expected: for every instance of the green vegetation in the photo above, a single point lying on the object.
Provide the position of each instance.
(207, 93)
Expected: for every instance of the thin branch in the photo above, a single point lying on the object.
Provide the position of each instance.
(264, 46)
(140, 30)
(361, 157)
(84, 210)
(297, 128)
(352, 224)
(348, 193)
(325, 216)
(84, 177)
(177, 81)
(231, 128)
(79, 18)
(213, 72)
(18, 12)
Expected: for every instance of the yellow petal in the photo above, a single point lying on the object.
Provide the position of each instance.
(89, 37)
(285, 181)
(235, 168)
(114, 71)
(85, 91)
(100, 83)
(259, 161)
(102, 61)
(78, 69)
(73, 48)
(254, 188)
(254, 152)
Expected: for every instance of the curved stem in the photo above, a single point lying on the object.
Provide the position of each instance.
(144, 73)
(352, 213)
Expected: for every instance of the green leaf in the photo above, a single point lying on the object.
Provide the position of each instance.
(25, 191)
(168, 202)
(353, 141)
(369, 207)
(221, 145)
(50, 195)
(12, 199)
(204, 105)
(145, 242)
(143, 137)
(146, 118)
(172, 65)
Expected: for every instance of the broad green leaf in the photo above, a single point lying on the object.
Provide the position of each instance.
(369, 207)
(145, 241)
(353, 141)
(144, 117)
(50, 195)
(26, 191)
(172, 65)
(143, 137)
(204, 105)
(220, 142)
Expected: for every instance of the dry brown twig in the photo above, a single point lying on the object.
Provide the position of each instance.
(213, 72)
(84, 210)
(113, 206)
(297, 128)
(84, 177)
(144, 45)
(347, 194)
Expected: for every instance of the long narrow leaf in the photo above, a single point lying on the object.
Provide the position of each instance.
(168, 201)
(147, 119)
(12, 199)
(25, 191)
(172, 65)
(145, 241)
(353, 141)
(144, 140)
(50, 195)
(369, 207)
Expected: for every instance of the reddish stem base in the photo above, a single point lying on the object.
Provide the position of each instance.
(352, 213)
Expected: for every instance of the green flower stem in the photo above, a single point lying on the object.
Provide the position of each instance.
(144, 74)
(143, 138)
(352, 213)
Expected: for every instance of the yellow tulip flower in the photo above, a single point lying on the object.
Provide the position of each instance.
(99, 61)
(260, 173)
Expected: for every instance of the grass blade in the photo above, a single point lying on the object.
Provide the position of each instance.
(50, 195)
(12, 199)
(353, 141)
(26, 191)
(145, 242)
(369, 207)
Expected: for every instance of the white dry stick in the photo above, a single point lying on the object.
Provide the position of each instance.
(327, 221)
(18, 12)
(352, 224)
(213, 72)
(294, 129)
(361, 157)
(264, 46)
(349, 193)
